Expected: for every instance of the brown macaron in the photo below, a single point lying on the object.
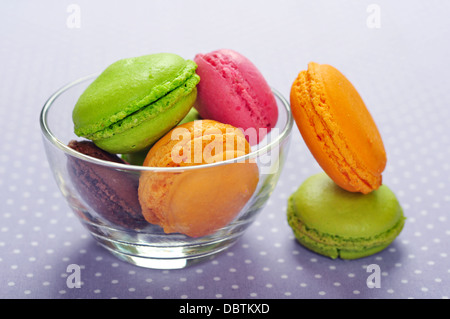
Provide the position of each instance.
(112, 193)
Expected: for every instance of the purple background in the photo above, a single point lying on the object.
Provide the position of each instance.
(400, 69)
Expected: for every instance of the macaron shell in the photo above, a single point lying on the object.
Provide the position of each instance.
(185, 145)
(337, 128)
(197, 202)
(190, 117)
(337, 223)
(334, 251)
(111, 193)
(213, 196)
(145, 127)
(358, 127)
(233, 91)
(126, 86)
(321, 204)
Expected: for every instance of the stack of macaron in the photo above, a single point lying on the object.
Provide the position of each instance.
(130, 114)
(345, 211)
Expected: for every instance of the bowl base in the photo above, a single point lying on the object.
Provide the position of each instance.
(164, 257)
(163, 263)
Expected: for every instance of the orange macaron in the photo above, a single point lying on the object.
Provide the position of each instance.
(337, 128)
(200, 201)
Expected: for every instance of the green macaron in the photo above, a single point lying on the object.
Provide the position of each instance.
(135, 101)
(336, 223)
(137, 158)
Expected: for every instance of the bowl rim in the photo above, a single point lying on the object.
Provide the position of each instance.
(48, 134)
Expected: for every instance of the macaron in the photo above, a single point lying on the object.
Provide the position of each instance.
(135, 101)
(338, 128)
(111, 193)
(197, 202)
(233, 91)
(339, 224)
(191, 116)
(137, 158)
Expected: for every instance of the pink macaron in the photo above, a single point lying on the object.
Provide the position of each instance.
(233, 91)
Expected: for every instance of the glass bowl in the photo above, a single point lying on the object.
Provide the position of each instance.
(128, 238)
